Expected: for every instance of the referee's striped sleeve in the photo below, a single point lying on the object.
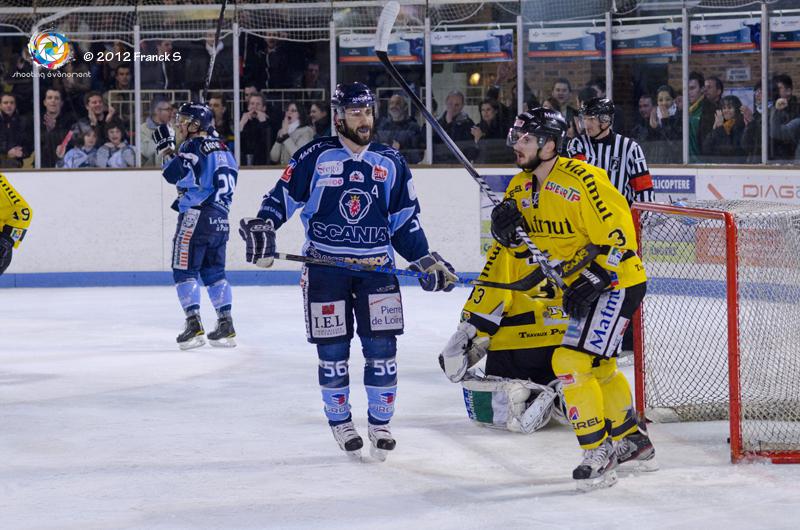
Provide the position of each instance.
(639, 174)
(575, 149)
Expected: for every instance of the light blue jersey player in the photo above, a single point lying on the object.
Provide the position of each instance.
(204, 172)
(357, 202)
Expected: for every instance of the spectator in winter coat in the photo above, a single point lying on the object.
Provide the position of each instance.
(665, 132)
(401, 131)
(295, 132)
(457, 125)
(724, 143)
(256, 133)
(116, 152)
(84, 154)
(16, 143)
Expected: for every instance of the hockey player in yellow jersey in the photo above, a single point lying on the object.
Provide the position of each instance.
(517, 332)
(15, 217)
(575, 207)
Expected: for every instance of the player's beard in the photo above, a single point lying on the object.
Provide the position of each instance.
(353, 135)
(530, 163)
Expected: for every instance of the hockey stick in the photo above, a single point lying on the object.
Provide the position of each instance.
(385, 24)
(213, 58)
(523, 284)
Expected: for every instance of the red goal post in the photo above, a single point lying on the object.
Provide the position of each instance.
(717, 334)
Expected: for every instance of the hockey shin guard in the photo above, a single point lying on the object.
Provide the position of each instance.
(617, 398)
(585, 410)
(189, 296)
(221, 297)
(334, 380)
(380, 377)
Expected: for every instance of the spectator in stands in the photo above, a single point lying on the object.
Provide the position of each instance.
(116, 152)
(251, 48)
(399, 130)
(751, 137)
(97, 115)
(294, 133)
(320, 119)
(490, 134)
(639, 131)
(665, 131)
(713, 91)
(222, 124)
(163, 75)
(702, 115)
(55, 126)
(786, 108)
(782, 129)
(599, 86)
(457, 125)
(724, 144)
(122, 78)
(196, 58)
(74, 84)
(16, 141)
(560, 96)
(256, 133)
(161, 111)
(310, 78)
(84, 154)
(276, 62)
(21, 84)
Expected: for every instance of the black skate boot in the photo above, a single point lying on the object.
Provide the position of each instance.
(222, 336)
(598, 468)
(637, 451)
(348, 439)
(192, 336)
(382, 441)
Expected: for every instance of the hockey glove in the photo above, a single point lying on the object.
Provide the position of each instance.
(462, 351)
(585, 290)
(441, 275)
(164, 137)
(259, 237)
(505, 220)
(6, 246)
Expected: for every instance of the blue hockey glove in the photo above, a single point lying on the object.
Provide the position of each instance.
(505, 220)
(164, 137)
(441, 275)
(6, 246)
(259, 238)
(585, 290)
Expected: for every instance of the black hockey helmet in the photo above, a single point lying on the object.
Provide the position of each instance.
(544, 124)
(599, 107)
(352, 95)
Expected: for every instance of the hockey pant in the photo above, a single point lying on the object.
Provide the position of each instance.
(380, 378)
(512, 404)
(598, 397)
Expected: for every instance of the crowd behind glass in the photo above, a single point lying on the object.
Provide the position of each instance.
(87, 120)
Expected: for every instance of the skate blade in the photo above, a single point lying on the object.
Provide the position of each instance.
(194, 342)
(355, 456)
(225, 342)
(636, 466)
(378, 454)
(606, 480)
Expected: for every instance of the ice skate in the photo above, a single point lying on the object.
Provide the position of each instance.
(598, 468)
(192, 336)
(382, 441)
(636, 450)
(222, 336)
(348, 439)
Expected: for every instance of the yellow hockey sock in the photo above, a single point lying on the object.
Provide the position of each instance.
(582, 393)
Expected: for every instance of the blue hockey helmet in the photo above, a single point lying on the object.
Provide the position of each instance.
(198, 113)
(352, 95)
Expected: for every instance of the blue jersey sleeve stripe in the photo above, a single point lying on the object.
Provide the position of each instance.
(398, 219)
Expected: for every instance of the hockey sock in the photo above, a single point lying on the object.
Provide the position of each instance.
(334, 380)
(380, 377)
(616, 398)
(189, 296)
(583, 396)
(221, 297)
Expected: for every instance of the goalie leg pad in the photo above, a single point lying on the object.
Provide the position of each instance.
(514, 405)
(463, 350)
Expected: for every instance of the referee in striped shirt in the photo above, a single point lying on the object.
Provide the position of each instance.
(621, 157)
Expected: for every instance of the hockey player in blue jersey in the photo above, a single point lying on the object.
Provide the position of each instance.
(358, 203)
(205, 172)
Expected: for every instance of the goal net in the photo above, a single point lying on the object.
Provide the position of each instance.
(718, 330)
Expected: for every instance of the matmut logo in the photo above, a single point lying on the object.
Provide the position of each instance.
(569, 194)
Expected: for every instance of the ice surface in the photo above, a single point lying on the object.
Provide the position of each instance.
(104, 423)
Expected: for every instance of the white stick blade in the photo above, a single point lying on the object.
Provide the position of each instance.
(385, 24)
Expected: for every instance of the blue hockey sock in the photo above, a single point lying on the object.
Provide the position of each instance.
(189, 296)
(221, 297)
(334, 380)
(380, 377)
